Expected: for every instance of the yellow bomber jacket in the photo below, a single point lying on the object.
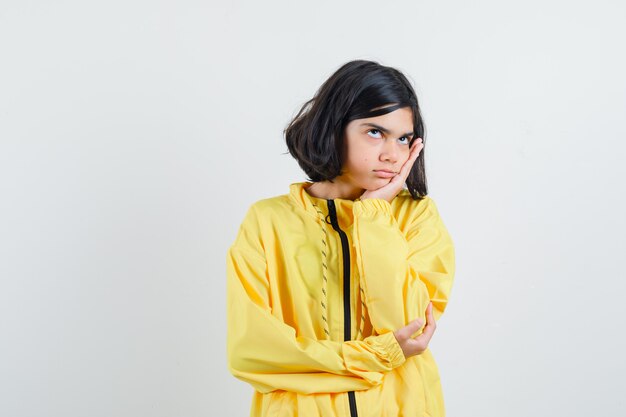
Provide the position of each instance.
(315, 289)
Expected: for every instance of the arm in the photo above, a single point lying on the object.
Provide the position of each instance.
(268, 354)
(401, 274)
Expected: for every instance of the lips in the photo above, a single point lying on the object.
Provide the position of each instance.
(383, 173)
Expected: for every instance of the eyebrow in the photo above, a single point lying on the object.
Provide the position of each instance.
(384, 130)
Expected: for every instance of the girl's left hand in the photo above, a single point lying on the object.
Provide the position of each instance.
(391, 189)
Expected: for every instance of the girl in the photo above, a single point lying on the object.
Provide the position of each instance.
(334, 288)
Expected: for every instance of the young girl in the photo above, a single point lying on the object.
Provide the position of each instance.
(335, 287)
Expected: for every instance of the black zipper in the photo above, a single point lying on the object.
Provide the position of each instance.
(346, 290)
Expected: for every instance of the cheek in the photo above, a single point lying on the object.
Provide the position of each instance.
(358, 160)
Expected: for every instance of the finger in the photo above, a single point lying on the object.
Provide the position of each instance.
(400, 178)
(427, 334)
(416, 147)
(415, 150)
(402, 175)
(430, 315)
(413, 327)
(430, 327)
(424, 338)
(431, 312)
(422, 341)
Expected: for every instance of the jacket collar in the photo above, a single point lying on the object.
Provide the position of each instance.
(306, 201)
(318, 207)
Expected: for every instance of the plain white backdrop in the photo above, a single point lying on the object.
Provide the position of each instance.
(134, 135)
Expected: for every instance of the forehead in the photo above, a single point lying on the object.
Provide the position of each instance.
(395, 121)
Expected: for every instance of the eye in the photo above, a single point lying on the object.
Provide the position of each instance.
(376, 131)
(373, 130)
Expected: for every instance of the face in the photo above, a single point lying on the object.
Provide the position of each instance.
(373, 144)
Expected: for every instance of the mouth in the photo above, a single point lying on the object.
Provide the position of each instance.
(383, 173)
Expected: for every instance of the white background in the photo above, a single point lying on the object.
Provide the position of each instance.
(135, 134)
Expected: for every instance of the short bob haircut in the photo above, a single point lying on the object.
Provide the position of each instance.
(315, 136)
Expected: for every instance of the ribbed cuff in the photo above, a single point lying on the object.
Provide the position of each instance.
(371, 205)
(389, 344)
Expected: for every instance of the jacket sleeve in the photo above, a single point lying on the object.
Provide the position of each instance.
(267, 353)
(401, 272)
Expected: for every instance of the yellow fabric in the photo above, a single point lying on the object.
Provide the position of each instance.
(285, 291)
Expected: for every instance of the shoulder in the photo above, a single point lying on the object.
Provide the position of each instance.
(271, 205)
(263, 211)
(258, 219)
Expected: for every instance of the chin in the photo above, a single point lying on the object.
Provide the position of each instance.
(376, 183)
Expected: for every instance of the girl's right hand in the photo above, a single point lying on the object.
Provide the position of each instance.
(415, 346)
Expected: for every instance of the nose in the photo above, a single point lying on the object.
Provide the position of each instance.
(389, 152)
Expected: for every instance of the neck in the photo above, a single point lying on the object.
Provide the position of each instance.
(336, 189)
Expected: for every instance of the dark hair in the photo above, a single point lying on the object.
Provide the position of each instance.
(315, 136)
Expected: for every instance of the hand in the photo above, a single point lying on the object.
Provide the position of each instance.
(393, 187)
(415, 346)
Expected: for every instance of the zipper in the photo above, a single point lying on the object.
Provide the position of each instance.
(346, 290)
